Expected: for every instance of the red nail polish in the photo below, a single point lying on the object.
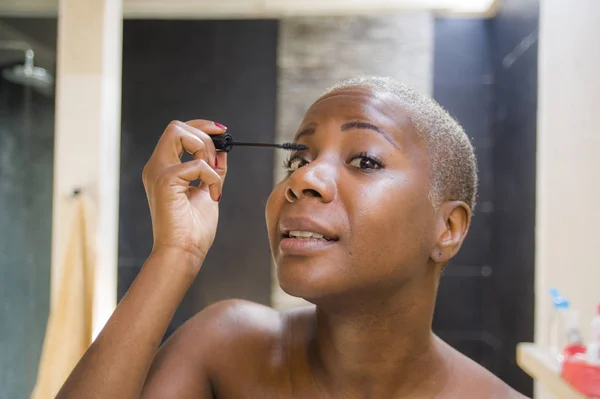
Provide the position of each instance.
(220, 126)
(216, 162)
(219, 199)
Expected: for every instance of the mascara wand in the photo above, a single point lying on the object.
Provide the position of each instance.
(224, 143)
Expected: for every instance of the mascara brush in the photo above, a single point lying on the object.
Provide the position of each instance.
(224, 143)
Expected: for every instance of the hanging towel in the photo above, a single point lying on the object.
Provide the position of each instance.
(69, 328)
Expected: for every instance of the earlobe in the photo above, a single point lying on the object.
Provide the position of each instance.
(452, 227)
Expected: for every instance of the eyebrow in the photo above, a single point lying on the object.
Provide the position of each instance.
(305, 132)
(368, 126)
(350, 126)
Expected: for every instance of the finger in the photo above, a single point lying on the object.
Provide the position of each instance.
(222, 164)
(174, 141)
(197, 169)
(213, 128)
(209, 152)
(209, 127)
(191, 144)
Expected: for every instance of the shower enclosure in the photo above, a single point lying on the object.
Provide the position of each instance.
(26, 159)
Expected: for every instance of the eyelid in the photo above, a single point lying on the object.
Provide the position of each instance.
(373, 158)
(294, 156)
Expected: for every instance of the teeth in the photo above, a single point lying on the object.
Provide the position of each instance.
(306, 235)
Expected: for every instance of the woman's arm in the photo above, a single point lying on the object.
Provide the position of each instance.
(184, 220)
(116, 364)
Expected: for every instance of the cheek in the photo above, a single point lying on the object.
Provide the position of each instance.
(389, 223)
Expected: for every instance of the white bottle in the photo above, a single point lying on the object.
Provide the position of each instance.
(593, 349)
(560, 322)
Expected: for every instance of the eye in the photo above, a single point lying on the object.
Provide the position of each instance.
(294, 162)
(366, 162)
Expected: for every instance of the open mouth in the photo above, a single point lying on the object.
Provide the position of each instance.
(307, 235)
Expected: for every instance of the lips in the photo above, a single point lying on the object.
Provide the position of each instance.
(306, 228)
(305, 236)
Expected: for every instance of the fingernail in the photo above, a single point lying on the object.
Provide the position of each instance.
(220, 126)
(216, 162)
(219, 199)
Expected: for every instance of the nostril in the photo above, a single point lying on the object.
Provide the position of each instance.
(290, 195)
(311, 193)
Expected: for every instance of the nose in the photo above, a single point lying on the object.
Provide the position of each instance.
(314, 180)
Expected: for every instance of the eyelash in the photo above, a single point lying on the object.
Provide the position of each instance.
(287, 164)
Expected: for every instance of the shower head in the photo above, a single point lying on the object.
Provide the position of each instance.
(30, 75)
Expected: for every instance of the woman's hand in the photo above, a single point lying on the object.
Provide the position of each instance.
(184, 217)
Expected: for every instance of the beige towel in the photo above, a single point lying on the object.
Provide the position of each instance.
(69, 328)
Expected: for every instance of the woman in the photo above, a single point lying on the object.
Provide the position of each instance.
(362, 227)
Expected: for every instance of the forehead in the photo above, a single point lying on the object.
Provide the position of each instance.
(363, 104)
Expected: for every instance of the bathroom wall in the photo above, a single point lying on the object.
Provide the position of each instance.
(568, 160)
(26, 161)
(569, 167)
(509, 300)
(463, 84)
(219, 70)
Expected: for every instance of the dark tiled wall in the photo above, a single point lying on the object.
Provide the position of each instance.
(513, 38)
(42, 30)
(463, 84)
(26, 161)
(486, 76)
(219, 70)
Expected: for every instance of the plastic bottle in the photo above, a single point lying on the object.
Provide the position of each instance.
(563, 328)
(593, 350)
(574, 344)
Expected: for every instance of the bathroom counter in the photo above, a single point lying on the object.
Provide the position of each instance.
(541, 367)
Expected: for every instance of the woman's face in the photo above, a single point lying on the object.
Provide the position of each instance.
(360, 192)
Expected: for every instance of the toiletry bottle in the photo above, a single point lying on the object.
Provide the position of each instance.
(559, 320)
(593, 350)
(574, 340)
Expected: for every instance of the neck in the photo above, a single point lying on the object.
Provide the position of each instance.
(380, 348)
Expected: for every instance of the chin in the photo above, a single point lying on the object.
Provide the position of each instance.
(311, 280)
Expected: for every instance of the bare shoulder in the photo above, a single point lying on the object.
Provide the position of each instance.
(225, 340)
(247, 346)
(232, 332)
(471, 380)
(233, 320)
(239, 311)
(236, 322)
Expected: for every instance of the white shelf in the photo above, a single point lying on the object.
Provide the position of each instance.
(541, 367)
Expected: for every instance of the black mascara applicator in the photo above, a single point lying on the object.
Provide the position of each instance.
(224, 142)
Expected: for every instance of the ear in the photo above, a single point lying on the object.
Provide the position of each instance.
(454, 219)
